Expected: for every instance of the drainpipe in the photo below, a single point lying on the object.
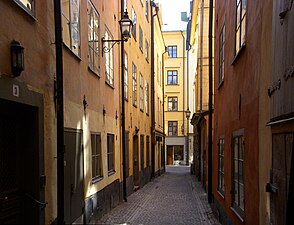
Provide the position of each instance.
(60, 113)
(187, 151)
(153, 141)
(210, 103)
(184, 88)
(201, 55)
(163, 114)
(123, 123)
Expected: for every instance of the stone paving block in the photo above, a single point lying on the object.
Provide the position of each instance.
(174, 198)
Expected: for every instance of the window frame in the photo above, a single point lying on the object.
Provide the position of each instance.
(171, 100)
(98, 157)
(110, 152)
(134, 84)
(172, 51)
(236, 204)
(146, 50)
(109, 64)
(172, 128)
(32, 11)
(134, 20)
(174, 73)
(221, 174)
(69, 20)
(91, 50)
(222, 54)
(240, 21)
(140, 38)
(126, 78)
(147, 97)
(141, 92)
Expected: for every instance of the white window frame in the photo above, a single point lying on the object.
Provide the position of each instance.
(93, 38)
(73, 25)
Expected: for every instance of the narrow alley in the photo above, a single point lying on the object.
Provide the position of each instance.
(173, 198)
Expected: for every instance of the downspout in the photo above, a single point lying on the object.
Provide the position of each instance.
(210, 103)
(123, 124)
(163, 114)
(60, 113)
(201, 55)
(183, 83)
(153, 141)
(188, 146)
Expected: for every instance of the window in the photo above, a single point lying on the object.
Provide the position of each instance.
(240, 24)
(126, 76)
(147, 97)
(141, 38)
(109, 59)
(172, 77)
(172, 104)
(134, 20)
(146, 50)
(110, 153)
(141, 92)
(172, 51)
(71, 25)
(147, 10)
(27, 5)
(134, 70)
(93, 38)
(221, 179)
(96, 156)
(238, 173)
(172, 128)
(222, 55)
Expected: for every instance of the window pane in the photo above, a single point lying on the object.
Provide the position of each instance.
(241, 203)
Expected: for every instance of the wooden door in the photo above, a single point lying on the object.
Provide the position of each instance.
(279, 186)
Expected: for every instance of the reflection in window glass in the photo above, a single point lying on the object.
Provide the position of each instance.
(71, 24)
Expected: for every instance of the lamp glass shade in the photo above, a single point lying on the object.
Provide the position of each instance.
(17, 58)
(125, 26)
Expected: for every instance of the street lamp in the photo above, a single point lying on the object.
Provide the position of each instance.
(188, 113)
(17, 58)
(125, 29)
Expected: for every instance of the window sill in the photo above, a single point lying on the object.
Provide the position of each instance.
(220, 84)
(26, 10)
(172, 85)
(237, 214)
(97, 179)
(111, 172)
(74, 54)
(94, 72)
(142, 110)
(239, 53)
(134, 105)
(221, 193)
(108, 84)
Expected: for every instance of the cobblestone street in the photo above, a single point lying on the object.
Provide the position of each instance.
(173, 198)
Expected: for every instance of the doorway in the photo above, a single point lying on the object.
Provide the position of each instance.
(73, 175)
(20, 186)
(136, 161)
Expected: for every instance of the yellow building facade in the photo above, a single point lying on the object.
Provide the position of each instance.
(175, 97)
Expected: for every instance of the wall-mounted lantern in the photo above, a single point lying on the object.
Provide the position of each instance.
(125, 29)
(17, 58)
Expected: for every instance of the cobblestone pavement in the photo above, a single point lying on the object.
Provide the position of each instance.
(174, 198)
